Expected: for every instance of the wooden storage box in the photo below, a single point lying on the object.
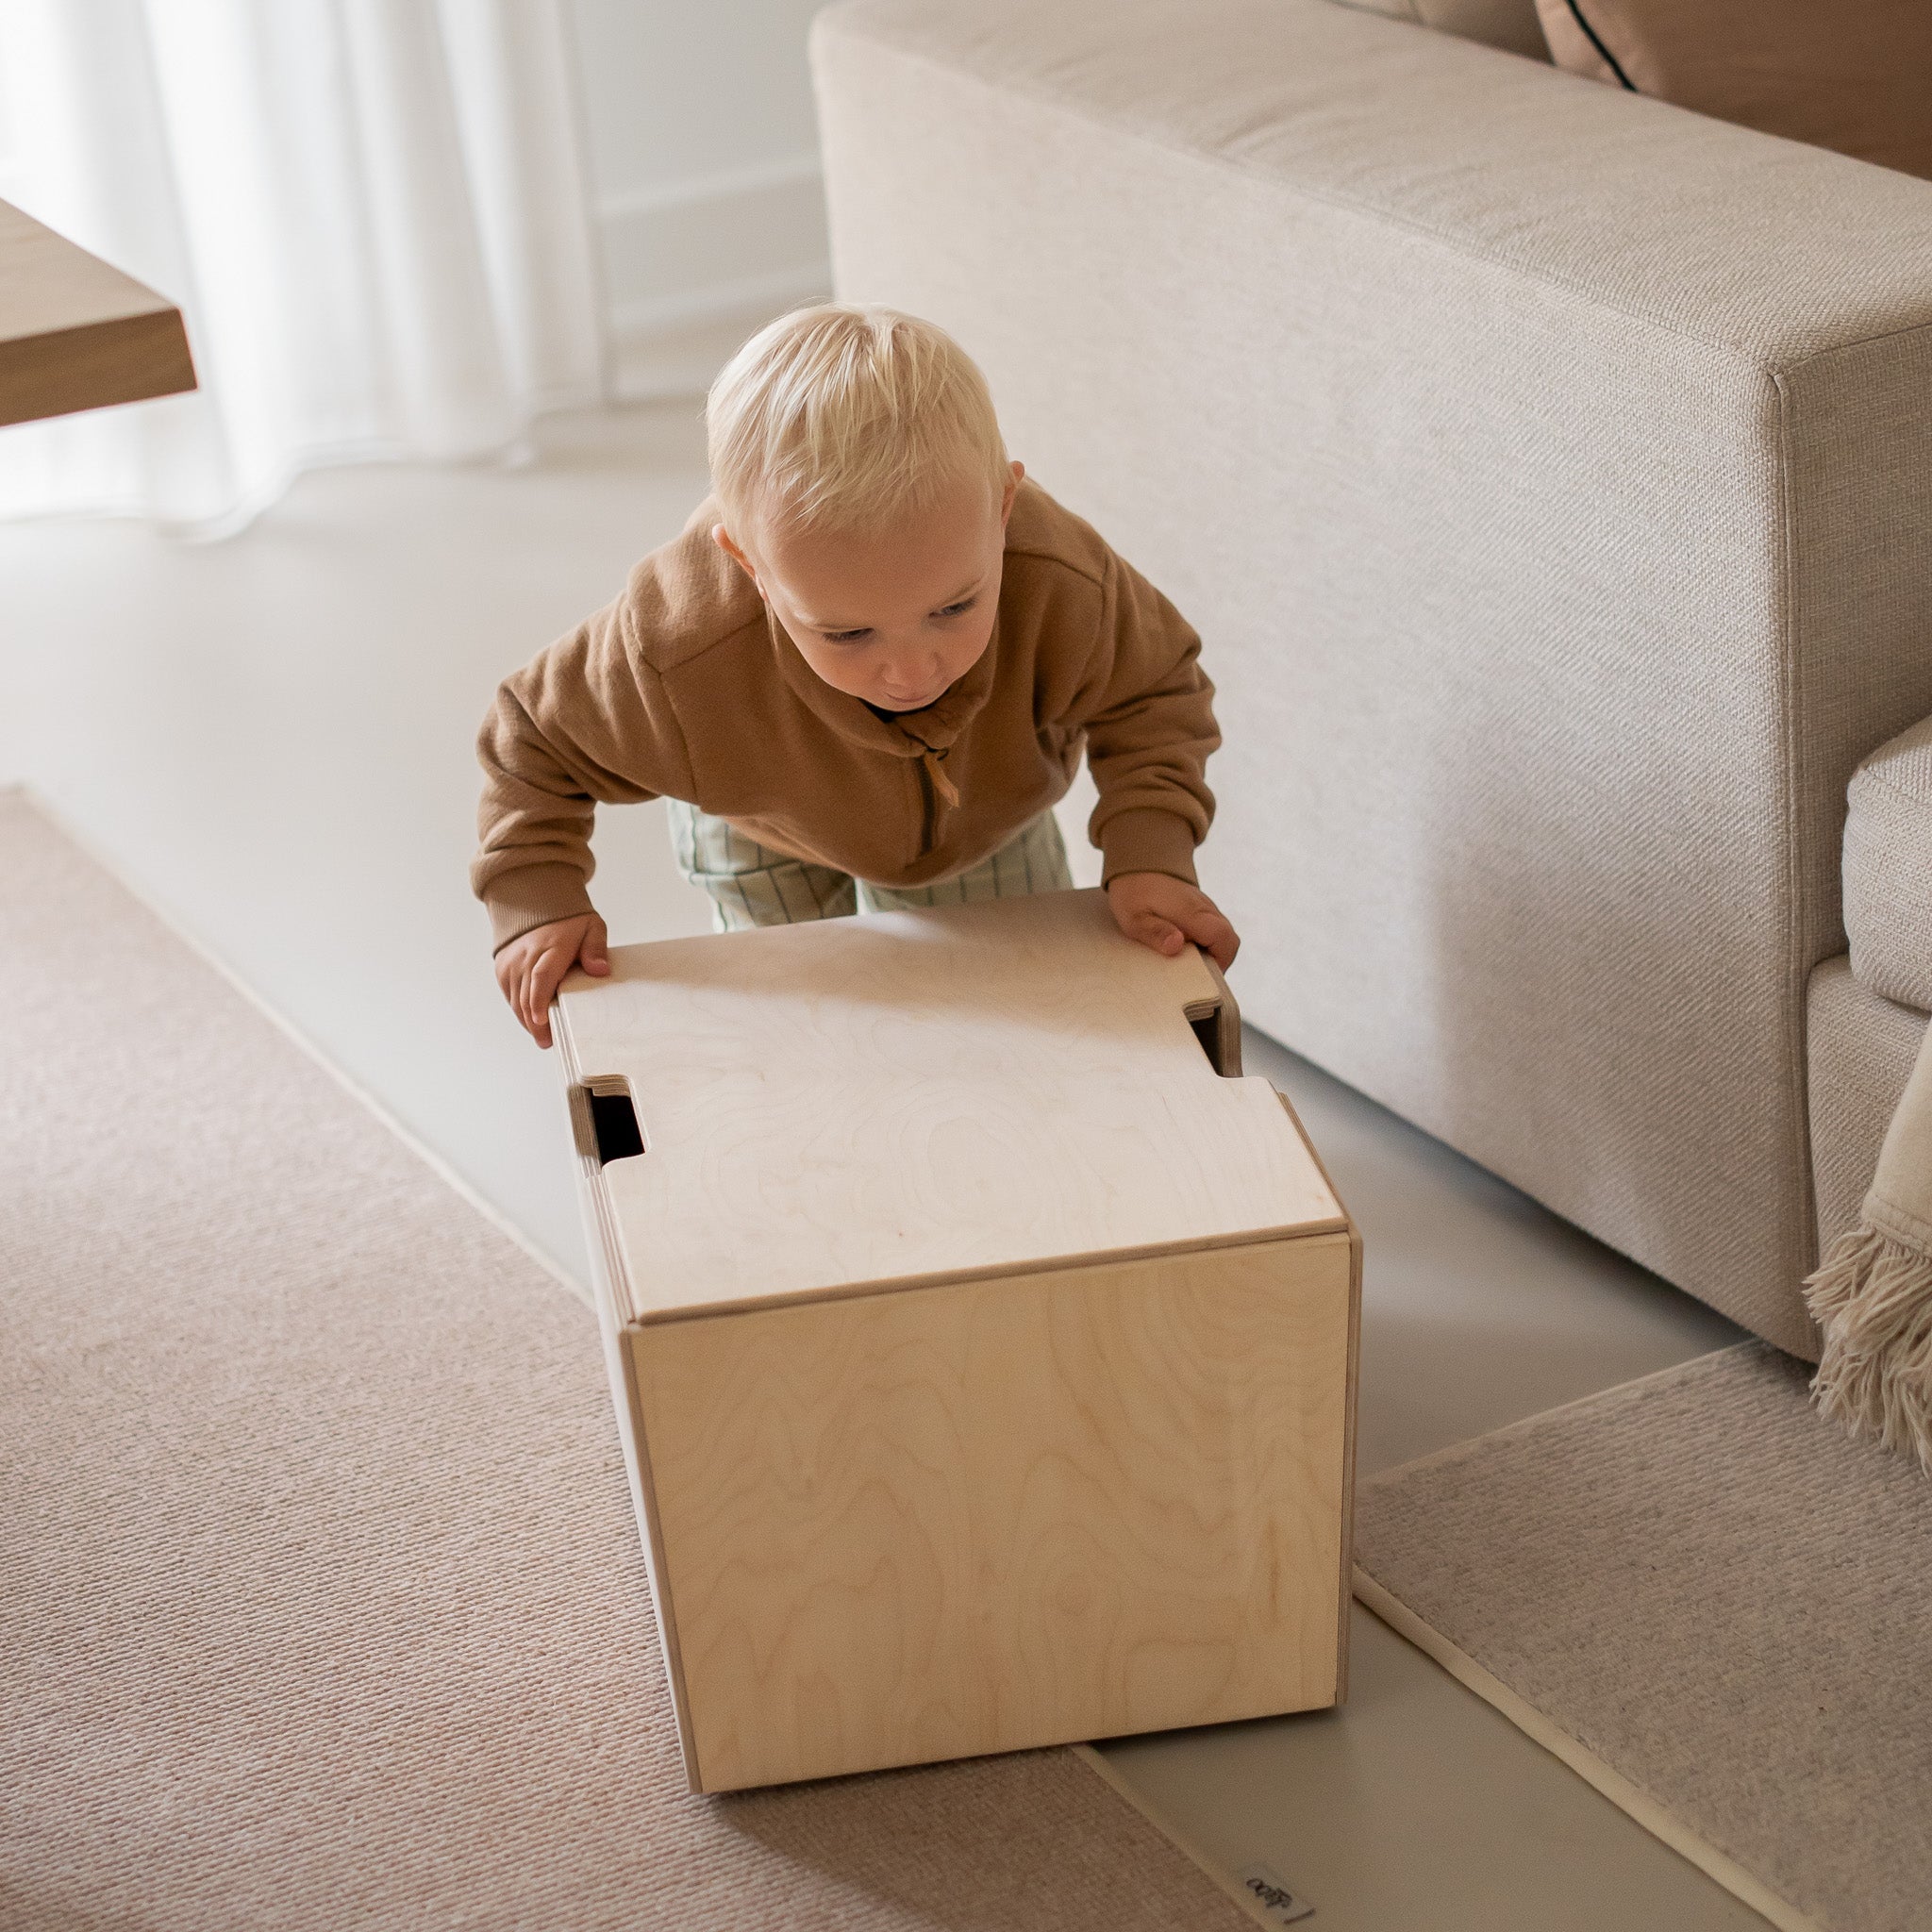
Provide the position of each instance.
(984, 1359)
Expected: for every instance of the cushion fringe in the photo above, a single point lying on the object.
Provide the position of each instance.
(1873, 1298)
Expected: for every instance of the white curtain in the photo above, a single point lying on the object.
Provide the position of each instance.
(373, 214)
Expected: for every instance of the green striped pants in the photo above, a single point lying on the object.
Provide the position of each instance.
(751, 885)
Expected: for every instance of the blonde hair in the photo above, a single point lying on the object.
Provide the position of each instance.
(848, 413)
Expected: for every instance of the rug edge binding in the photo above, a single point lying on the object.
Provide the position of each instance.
(1635, 1803)
(58, 822)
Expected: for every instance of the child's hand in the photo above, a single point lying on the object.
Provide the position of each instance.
(530, 969)
(1165, 913)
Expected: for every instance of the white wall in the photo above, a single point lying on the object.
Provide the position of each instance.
(704, 158)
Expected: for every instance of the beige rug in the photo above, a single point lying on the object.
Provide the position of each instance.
(320, 1600)
(1710, 1602)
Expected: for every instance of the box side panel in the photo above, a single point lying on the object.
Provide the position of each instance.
(1346, 1587)
(1006, 1513)
(1354, 1352)
(606, 1267)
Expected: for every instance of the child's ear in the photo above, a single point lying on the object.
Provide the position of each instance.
(728, 544)
(1012, 489)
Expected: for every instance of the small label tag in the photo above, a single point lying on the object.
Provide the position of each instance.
(1279, 1905)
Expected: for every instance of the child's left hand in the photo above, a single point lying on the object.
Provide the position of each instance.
(1165, 913)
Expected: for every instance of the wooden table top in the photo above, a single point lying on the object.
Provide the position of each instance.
(915, 1097)
(76, 334)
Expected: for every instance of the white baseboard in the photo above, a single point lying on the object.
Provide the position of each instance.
(724, 248)
(749, 296)
(677, 350)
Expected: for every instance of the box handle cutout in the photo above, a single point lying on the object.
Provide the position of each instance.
(1217, 1024)
(1208, 1031)
(606, 1118)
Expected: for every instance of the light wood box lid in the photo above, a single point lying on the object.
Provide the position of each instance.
(914, 1096)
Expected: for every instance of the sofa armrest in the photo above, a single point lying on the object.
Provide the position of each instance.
(1887, 869)
(1546, 470)
(1614, 223)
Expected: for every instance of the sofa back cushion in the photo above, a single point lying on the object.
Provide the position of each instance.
(1510, 25)
(1850, 75)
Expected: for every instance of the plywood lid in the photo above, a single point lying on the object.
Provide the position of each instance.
(918, 1094)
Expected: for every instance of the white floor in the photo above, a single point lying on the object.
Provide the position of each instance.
(271, 739)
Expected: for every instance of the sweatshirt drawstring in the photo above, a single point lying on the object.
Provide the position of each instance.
(934, 770)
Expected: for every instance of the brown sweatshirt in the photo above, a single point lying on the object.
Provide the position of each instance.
(687, 688)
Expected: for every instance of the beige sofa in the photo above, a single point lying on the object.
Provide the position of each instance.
(1549, 470)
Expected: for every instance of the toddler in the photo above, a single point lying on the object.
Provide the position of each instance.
(860, 678)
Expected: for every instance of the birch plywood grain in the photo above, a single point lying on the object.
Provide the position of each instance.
(985, 1358)
(76, 334)
(921, 1094)
(1004, 1513)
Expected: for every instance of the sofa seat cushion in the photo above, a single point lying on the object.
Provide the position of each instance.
(1889, 869)
(1860, 1049)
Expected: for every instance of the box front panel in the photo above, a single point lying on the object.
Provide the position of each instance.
(1002, 1513)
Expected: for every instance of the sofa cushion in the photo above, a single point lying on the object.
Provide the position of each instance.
(1510, 25)
(1860, 1049)
(1856, 75)
(1889, 869)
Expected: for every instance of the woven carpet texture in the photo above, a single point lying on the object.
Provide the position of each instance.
(321, 1601)
(1717, 1593)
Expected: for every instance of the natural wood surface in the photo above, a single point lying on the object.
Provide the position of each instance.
(621, 1366)
(919, 1095)
(1001, 1513)
(1348, 1425)
(984, 1359)
(76, 334)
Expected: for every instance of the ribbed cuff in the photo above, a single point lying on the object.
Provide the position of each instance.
(532, 895)
(1147, 840)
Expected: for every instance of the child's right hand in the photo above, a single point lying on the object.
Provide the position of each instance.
(530, 969)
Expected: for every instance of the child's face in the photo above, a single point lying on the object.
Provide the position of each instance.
(893, 615)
